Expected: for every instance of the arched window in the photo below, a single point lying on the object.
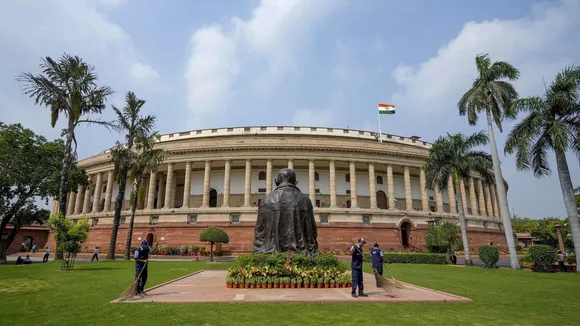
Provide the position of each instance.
(347, 177)
(379, 180)
(316, 176)
(262, 175)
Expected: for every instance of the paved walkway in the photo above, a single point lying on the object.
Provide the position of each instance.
(209, 286)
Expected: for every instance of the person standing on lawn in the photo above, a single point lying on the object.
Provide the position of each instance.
(356, 265)
(95, 254)
(141, 258)
(46, 254)
(377, 257)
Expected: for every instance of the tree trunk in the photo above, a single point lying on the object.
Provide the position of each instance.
(462, 223)
(211, 251)
(569, 201)
(64, 174)
(502, 196)
(132, 220)
(5, 244)
(117, 217)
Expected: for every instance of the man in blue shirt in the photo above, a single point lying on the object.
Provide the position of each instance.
(141, 257)
(378, 260)
(357, 268)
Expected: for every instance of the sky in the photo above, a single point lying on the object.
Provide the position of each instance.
(207, 64)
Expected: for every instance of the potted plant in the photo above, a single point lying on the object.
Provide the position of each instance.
(246, 283)
(298, 282)
(236, 281)
(332, 283)
(276, 282)
(326, 282)
(320, 282)
(313, 282)
(306, 281)
(293, 283)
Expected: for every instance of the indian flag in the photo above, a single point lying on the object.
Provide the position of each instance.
(386, 108)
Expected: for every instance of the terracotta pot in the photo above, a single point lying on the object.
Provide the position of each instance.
(252, 286)
(299, 285)
(327, 286)
(332, 286)
(276, 286)
(312, 286)
(235, 286)
(269, 285)
(293, 286)
(229, 286)
(349, 285)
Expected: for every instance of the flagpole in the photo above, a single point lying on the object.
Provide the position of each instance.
(379, 116)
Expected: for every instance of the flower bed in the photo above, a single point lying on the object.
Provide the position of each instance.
(287, 271)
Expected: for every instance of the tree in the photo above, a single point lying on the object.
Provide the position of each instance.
(69, 237)
(443, 238)
(67, 86)
(30, 168)
(213, 235)
(490, 93)
(145, 160)
(552, 124)
(136, 126)
(453, 156)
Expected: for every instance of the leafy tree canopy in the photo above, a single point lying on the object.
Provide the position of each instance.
(214, 234)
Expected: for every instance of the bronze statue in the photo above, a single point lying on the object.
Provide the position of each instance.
(286, 219)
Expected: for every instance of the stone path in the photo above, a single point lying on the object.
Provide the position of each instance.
(209, 286)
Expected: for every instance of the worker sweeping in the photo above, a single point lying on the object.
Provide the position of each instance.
(378, 261)
(356, 252)
(141, 259)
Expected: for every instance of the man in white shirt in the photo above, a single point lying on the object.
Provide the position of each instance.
(46, 254)
(95, 254)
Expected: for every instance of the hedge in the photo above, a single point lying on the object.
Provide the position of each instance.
(412, 258)
(489, 255)
(543, 256)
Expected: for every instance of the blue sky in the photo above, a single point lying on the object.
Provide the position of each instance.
(203, 64)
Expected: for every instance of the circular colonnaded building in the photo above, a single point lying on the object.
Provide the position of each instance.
(360, 184)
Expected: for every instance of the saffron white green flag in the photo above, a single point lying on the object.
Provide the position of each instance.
(386, 108)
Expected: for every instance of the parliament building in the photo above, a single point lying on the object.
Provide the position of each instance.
(361, 184)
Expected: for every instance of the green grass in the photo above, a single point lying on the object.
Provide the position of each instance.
(41, 294)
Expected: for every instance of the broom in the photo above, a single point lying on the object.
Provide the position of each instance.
(389, 285)
(398, 284)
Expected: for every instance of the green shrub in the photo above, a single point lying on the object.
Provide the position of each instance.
(519, 248)
(489, 255)
(411, 258)
(543, 257)
(571, 259)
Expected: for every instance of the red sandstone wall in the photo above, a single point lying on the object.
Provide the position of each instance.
(330, 237)
(39, 237)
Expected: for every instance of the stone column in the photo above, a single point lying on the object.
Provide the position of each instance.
(488, 200)
(494, 201)
(353, 195)
(423, 185)
(72, 198)
(248, 184)
(227, 180)
(206, 181)
(79, 202)
(451, 196)
(87, 202)
(408, 193)
(311, 185)
(482, 210)
(291, 164)
(439, 200)
(168, 185)
(161, 194)
(332, 172)
(109, 191)
(472, 198)
(372, 188)
(151, 192)
(187, 185)
(97, 196)
(391, 186)
(173, 190)
(463, 195)
(269, 176)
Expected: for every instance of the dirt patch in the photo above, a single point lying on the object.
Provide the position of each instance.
(19, 285)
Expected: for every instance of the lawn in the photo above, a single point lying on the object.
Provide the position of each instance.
(41, 294)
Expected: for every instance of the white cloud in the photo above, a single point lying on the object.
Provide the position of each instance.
(276, 31)
(318, 118)
(143, 72)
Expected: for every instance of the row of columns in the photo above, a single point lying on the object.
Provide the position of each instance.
(487, 198)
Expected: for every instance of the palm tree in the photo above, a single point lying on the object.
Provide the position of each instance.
(453, 156)
(146, 160)
(136, 126)
(68, 87)
(492, 94)
(552, 124)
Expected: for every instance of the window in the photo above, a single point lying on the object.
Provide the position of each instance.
(347, 177)
(280, 128)
(366, 220)
(361, 132)
(235, 219)
(317, 191)
(312, 129)
(261, 190)
(154, 220)
(184, 133)
(318, 203)
(198, 132)
(263, 128)
(316, 176)
(379, 180)
(348, 204)
(345, 131)
(329, 130)
(323, 219)
(348, 191)
(214, 130)
(230, 129)
(432, 208)
(296, 128)
(192, 219)
(431, 198)
(262, 175)
(247, 129)
(122, 220)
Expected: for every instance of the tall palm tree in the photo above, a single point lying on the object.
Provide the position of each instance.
(552, 124)
(68, 87)
(454, 156)
(490, 93)
(146, 160)
(136, 126)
